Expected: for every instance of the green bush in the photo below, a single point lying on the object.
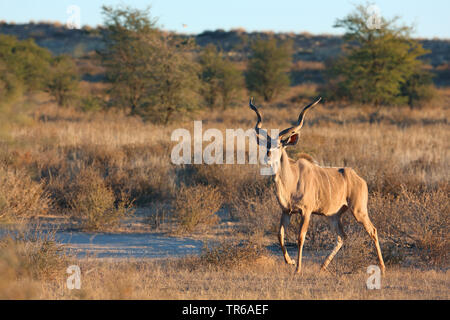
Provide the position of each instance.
(221, 79)
(10, 85)
(25, 60)
(63, 80)
(91, 104)
(268, 67)
(380, 65)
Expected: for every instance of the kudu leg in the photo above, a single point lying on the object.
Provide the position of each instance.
(363, 217)
(336, 225)
(372, 231)
(301, 239)
(284, 223)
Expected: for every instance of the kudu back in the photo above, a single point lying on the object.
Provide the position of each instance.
(303, 187)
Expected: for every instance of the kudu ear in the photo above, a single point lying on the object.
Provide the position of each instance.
(291, 140)
(290, 136)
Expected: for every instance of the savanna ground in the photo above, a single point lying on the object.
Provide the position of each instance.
(97, 171)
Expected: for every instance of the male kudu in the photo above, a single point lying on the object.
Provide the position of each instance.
(306, 188)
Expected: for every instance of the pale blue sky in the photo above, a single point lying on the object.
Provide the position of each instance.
(431, 17)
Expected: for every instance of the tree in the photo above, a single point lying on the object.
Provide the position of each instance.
(63, 80)
(380, 64)
(175, 82)
(24, 61)
(268, 67)
(149, 71)
(124, 56)
(10, 86)
(221, 78)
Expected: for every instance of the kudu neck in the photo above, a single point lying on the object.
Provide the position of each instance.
(285, 173)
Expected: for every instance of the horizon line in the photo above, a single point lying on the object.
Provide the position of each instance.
(233, 29)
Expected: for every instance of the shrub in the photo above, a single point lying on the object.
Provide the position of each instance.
(143, 173)
(28, 62)
(256, 207)
(418, 220)
(62, 83)
(221, 79)
(94, 204)
(21, 197)
(10, 85)
(231, 254)
(196, 206)
(229, 180)
(26, 258)
(268, 67)
(43, 257)
(160, 214)
(91, 104)
(136, 170)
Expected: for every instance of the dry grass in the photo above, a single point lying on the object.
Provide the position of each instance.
(267, 278)
(231, 270)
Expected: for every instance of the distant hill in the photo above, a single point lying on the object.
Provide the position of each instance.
(308, 48)
(57, 38)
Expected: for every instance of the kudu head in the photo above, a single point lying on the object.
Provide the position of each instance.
(287, 137)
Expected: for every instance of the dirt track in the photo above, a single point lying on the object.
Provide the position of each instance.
(142, 245)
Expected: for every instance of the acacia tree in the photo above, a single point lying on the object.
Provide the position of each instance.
(175, 82)
(24, 66)
(380, 64)
(220, 77)
(63, 80)
(231, 82)
(150, 72)
(23, 63)
(10, 85)
(268, 67)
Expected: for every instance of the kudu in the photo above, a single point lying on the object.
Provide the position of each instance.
(306, 188)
